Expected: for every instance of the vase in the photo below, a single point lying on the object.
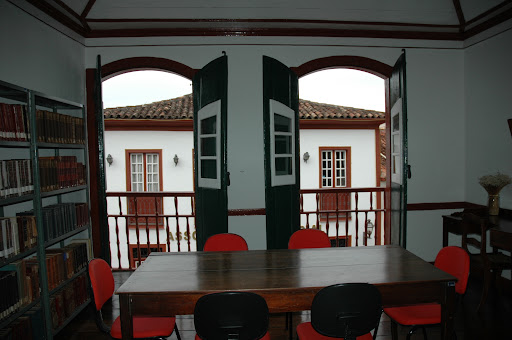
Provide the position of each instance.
(494, 204)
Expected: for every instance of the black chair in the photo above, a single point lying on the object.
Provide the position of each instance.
(231, 315)
(348, 311)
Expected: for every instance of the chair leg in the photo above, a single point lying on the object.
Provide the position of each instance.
(177, 332)
(394, 330)
(414, 328)
(289, 325)
(485, 289)
(424, 332)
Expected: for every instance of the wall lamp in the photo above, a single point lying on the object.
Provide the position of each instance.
(175, 159)
(305, 157)
(369, 229)
(110, 159)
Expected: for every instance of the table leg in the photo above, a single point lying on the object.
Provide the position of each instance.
(448, 310)
(126, 316)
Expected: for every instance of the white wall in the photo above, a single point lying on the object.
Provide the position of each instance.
(175, 178)
(362, 170)
(36, 56)
(488, 142)
(176, 143)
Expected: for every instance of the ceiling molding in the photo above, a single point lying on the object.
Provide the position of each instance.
(97, 27)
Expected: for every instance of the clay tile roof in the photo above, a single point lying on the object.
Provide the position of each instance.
(177, 108)
(182, 108)
(312, 110)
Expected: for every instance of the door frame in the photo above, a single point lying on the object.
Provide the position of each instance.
(376, 68)
(95, 168)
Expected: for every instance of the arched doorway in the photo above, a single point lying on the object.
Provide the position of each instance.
(376, 68)
(95, 124)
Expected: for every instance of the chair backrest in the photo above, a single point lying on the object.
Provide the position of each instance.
(455, 261)
(231, 315)
(309, 238)
(102, 281)
(346, 310)
(225, 242)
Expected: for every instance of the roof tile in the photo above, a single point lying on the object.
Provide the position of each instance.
(183, 108)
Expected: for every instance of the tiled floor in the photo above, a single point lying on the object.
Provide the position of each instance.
(494, 323)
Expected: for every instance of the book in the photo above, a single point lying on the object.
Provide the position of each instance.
(20, 269)
(9, 296)
(37, 323)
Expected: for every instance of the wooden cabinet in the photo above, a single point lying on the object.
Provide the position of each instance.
(44, 212)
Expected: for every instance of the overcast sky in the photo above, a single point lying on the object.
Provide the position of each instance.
(337, 86)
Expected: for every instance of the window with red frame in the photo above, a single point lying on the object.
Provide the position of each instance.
(334, 173)
(144, 176)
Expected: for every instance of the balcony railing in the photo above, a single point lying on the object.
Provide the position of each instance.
(142, 222)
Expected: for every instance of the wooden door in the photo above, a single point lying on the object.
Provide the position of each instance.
(102, 186)
(210, 138)
(400, 170)
(282, 167)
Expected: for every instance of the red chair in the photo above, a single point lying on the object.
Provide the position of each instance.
(302, 239)
(225, 242)
(102, 284)
(309, 238)
(454, 261)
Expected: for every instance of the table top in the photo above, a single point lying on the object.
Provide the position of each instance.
(278, 270)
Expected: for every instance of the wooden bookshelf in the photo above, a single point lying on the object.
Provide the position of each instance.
(43, 175)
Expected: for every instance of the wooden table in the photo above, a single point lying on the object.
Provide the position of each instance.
(171, 283)
(499, 228)
(500, 235)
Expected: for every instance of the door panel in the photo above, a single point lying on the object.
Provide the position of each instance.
(102, 186)
(281, 135)
(210, 138)
(398, 152)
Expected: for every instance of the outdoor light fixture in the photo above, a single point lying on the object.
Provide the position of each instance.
(369, 229)
(175, 159)
(110, 159)
(306, 157)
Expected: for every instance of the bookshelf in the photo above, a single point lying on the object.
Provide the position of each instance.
(45, 234)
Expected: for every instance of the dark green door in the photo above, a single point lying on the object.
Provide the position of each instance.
(102, 186)
(281, 135)
(400, 170)
(210, 125)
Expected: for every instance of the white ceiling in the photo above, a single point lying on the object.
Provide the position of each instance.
(425, 19)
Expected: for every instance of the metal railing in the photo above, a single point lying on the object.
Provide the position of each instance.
(142, 222)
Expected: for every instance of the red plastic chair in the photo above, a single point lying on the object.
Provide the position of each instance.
(309, 238)
(454, 261)
(102, 284)
(225, 242)
(302, 239)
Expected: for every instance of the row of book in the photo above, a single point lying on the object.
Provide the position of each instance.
(60, 172)
(19, 280)
(18, 234)
(14, 122)
(67, 300)
(56, 172)
(16, 178)
(53, 127)
(61, 218)
(29, 326)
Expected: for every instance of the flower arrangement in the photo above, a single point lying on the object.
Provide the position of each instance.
(494, 183)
